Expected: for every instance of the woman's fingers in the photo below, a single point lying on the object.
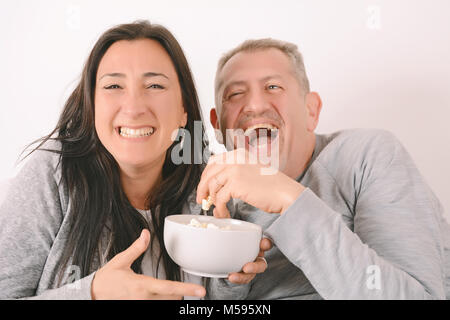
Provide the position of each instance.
(172, 288)
(116, 280)
(126, 258)
(161, 297)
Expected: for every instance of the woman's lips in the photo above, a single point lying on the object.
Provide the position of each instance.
(137, 132)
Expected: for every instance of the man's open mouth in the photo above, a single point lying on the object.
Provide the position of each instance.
(261, 133)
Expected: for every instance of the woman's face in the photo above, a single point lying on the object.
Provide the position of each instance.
(138, 103)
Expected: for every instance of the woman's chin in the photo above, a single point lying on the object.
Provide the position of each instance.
(136, 163)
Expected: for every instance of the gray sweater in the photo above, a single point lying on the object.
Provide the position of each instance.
(366, 227)
(35, 220)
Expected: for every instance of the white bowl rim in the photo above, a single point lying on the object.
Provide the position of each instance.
(250, 226)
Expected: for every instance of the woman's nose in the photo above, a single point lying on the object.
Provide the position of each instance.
(134, 104)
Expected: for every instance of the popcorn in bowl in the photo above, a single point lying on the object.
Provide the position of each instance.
(210, 252)
(195, 223)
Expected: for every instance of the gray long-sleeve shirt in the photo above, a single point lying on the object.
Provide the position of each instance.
(367, 227)
(35, 220)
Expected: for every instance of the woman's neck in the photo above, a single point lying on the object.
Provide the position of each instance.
(138, 182)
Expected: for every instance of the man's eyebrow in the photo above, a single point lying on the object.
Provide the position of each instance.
(242, 82)
(145, 75)
(274, 76)
(233, 83)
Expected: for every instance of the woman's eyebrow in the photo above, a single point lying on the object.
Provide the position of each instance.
(114, 74)
(155, 74)
(145, 75)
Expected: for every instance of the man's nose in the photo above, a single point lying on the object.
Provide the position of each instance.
(256, 102)
(134, 104)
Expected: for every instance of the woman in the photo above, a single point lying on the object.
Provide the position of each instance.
(104, 177)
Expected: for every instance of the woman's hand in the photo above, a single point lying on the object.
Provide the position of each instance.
(116, 279)
(250, 269)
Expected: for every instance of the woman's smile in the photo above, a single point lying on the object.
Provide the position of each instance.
(136, 133)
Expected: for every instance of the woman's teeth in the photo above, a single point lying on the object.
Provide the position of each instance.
(136, 133)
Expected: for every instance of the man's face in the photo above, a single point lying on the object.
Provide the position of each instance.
(260, 91)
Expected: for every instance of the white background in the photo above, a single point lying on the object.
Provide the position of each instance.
(377, 64)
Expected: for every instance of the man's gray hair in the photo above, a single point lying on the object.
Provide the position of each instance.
(290, 49)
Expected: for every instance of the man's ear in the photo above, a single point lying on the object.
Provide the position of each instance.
(313, 108)
(213, 118)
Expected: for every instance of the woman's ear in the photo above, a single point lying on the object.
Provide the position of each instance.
(184, 119)
(313, 108)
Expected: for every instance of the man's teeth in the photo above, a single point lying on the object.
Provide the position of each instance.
(261, 134)
(266, 126)
(136, 133)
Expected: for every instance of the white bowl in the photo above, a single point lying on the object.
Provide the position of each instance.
(211, 252)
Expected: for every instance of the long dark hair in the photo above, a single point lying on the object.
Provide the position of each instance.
(92, 175)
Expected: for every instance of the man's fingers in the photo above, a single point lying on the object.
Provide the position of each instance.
(126, 258)
(207, 178)
(221, 199)
(217, 164)
(265, 244)
(173, 288)
(249, 271)
(257, 266)
(240, 278)
(213, 187)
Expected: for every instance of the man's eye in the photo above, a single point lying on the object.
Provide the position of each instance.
(233, 94)
(155, 86)
(113, 86)
(272, 86)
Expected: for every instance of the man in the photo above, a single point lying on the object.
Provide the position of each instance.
(349, 214)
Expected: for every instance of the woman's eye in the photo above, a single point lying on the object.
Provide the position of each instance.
(155, 86)
(112, 86)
